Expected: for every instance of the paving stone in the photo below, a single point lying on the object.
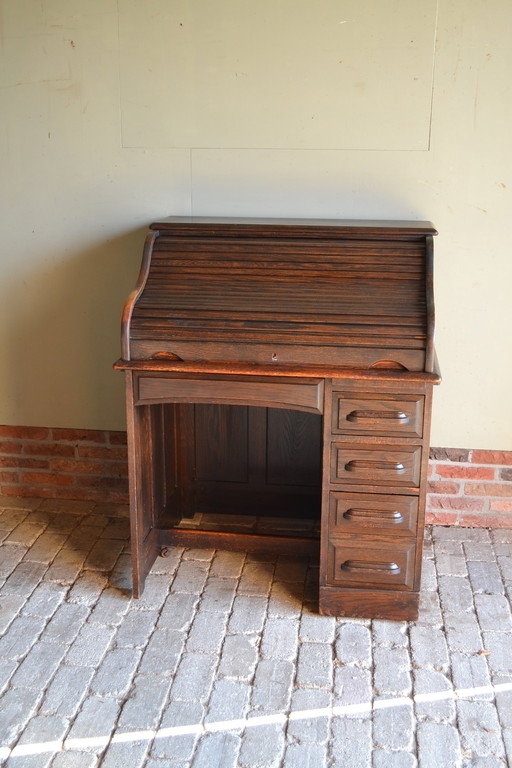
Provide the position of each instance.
(504, 701)
(162, 653)
(92, 727)
(45, 599)
(475, 550)
(279, 639)
(470, 672)
(351, 743)
(198, 553)
(429, 575)
(87, 588)
(285, 601)
(256, 578)
(136, 629)
(452, 533)
(17, 705)
(291, 569)
(483, 762)
(305, 755)
(455, 593)
(65, 624)
(507, 738)
(448, 564)
(428, 648)
(25, 533)
(310, 716)
(71, 759)
(111, 607)
(485, 578)
(499, 657)
(124, 750)
(393, 725)
(479, 728)
(463, 632)
(207, 632)
(248, 614)
(218, 595)
(227, 564)
(10, 606)
(315, 665)
(194, 677)
(144, 705)
(390, 633)
(272, 685)
(190, 577)
(121, 576)
(20, 636)
(46, 547)
(217, 750)
(170, 562)
(67, 691)
(179, 731)
(228, 704)
(12, 554)
(114, 676)
(317, 629)
(44, 734)
(433, 696)
(438, 746)
(383, 758)
(505, 566)
(353, 645)
(155, 592)
(392, 671)
(262, 747)
(238, 658)
(24, 579)
(38, 667)
(90, 645)
(7, 669)
(178, 611)
(353, 692)
(493, 612)
(67, 564)
(429, 610)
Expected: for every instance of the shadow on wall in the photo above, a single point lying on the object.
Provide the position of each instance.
(65, 336)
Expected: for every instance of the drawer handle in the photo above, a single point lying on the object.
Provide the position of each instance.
(358, 416)
(385, 466)
(354, 566)
(391, 515)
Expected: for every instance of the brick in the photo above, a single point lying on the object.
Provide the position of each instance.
(440, 518)
(351, 743)
(438, 745)
(315, 665)
(143, 708)
(310, 718)
(430, 703)
(488, 489)
(469, 671)
(353, 692)
(248, 614)
(17, 706)
(93, 725)
(39, 665)
(10, 446)
(479, 728)
(79, 435)
(279, 640)
(239, 657)
(46, 478)
(114, 676)
(22, 463)
(449, 454)
(492, 457)
(393, 727)
(305, 756)
(392, 671)
(442, 486)
(48, 449)
(262, 746)
(467, 473)
(113, 453)
(217, 750)
(9, 477)
(456, 503)
(500, 505)
(67, 691)
(162, 653)
(272, 686)
(228, 702)
(90, 645)
(179, 745)
(24, 433)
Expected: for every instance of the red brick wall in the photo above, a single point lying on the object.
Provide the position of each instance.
(466, 487)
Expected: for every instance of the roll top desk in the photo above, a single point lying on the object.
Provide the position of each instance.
(279, 380)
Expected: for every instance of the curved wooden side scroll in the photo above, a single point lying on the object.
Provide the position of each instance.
(134, 295)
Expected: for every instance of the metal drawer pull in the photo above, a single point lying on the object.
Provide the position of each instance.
(392, 515)
(353, 566)
(399, 416)
(385, 466)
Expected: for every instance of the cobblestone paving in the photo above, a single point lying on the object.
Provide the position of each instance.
(224, 663)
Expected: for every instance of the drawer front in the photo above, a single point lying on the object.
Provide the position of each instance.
(376, 564)
(376, 465)
(372, 512)
(377, 414)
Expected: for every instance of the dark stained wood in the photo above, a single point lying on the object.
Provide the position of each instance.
(279, 379)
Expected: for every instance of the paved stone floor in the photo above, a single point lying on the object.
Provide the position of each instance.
(225, 664)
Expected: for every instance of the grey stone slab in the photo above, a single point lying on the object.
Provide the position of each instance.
(87, 588)
(20, 636)
(256, 578)
(383, 758)
(262, 747)
(136, 629)
(7, 669)
(279, 639)
(285, 600)
(24, 579)
(155, 592)
(238, 658)
(227, 564)
(194, 677)
(17, 706)
(25, 533)
(65, 623)
(499, 657)
(45, 599)
(162, 653)
(112, 606)
(505, 566)
(463, 632)
(448, 564)
(305, 755)
(38, 667)
(46, 547)
(121, 575)
(218, 595)
(190, 577)
(456, 594)
(483, 762)
(428, 575)
(317, 629)
(291, 569)
(315, 665)
(428, 648)
(430, 610)
(438, 746)
(114, 675)
(485, 578)
(90, 645)
(170, 562)
(452, 533)
(178, 611)
(479, 728)
(493, 612)
(393, 725)
(469, 673)
(144, 705)
(93, 726)
(433, 696)
(392, 671)
(179, 731)
(310, 715)
(73, 759)
(351, 743)
(12, 554)
(353, 645)
(507, 739)
(353, 692)
(479, 550)
(248, 614)
(124, 750)
(390, 633)
(10, 606)
(504, 700)
(228, 704)
(217, 750)
(44, 734)
(207, 632)
(272, 686)
(67, 691)
(197, 553)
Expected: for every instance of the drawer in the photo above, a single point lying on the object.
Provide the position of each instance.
(387, 565)
(376, 464)
(377, 414)
(372, 512)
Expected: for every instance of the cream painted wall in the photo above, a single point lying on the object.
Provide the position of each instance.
(117, 113)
